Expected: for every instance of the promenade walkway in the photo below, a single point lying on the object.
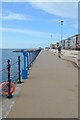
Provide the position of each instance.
(51, 91)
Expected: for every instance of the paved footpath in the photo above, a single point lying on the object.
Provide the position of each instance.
(51, 91)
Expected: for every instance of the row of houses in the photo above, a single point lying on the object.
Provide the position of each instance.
(72, 42)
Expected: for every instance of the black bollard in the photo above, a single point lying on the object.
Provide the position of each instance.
(9, 81)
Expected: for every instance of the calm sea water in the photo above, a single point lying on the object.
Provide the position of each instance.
(13, 56)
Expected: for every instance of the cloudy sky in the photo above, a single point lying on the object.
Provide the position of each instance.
(28, 24)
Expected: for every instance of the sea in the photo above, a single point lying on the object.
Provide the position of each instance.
(6, 54)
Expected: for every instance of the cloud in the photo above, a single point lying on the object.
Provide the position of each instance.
(29, 32)
(15, 16)
(61, 9)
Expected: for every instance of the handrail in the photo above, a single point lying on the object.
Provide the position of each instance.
(31, 59)
(11, 65)
(3, 69)
(14, 76)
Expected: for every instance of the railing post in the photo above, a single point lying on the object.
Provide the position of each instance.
(27, 62)
(30, 58)
(24, 62)
(19, 70)
(9, 81)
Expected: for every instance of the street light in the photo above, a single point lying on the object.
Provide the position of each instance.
(51, 38)
(62, 29)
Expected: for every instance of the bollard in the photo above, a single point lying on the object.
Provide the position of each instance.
(19, 70)
(9, 81)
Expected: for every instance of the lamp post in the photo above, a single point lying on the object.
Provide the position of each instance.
(62, 29)
(51, 38)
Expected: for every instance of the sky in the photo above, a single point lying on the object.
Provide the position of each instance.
(31, 24)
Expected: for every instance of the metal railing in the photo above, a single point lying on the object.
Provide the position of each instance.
(11, 76)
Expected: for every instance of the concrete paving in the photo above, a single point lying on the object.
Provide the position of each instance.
(71, 55)
(8, 103)
(51, 91)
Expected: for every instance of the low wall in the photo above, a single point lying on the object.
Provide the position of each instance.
(71, 55)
